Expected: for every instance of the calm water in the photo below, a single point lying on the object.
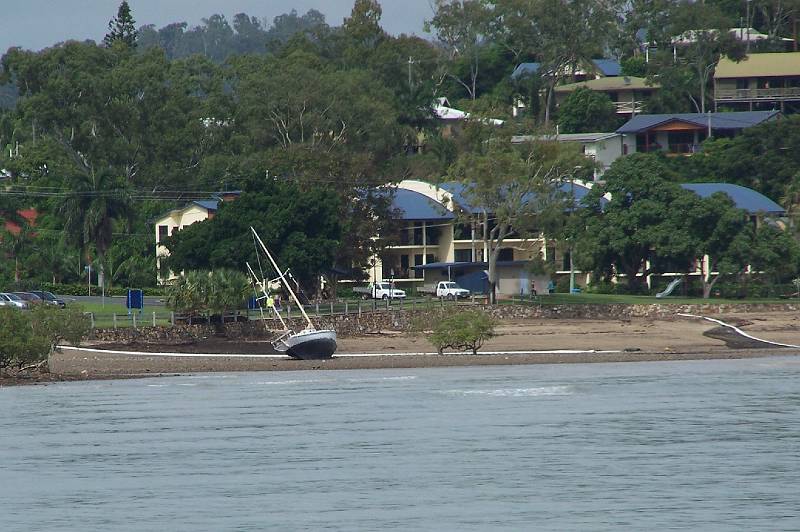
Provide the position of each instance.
(650, 446)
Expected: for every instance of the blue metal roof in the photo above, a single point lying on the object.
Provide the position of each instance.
(415, 206)
(719, 121)
(743, 197)
(525, 69)
(608, 67)
(457, 190)
(210, 205)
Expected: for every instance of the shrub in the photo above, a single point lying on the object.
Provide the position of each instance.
(199, 293)
(29, 337)
(462, 331)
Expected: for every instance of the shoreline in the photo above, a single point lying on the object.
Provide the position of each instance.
(530, 341)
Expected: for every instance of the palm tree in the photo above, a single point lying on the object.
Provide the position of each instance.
(227, 292)
(53, 256)
(94, 202)
(16, 243)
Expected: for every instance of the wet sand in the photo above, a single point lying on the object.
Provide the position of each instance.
(632, 340)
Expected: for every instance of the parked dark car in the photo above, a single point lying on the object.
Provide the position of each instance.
(31, 298)
(49, 298)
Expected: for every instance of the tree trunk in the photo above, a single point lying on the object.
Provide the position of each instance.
(547, 104)
(708, 285)
(702, 94)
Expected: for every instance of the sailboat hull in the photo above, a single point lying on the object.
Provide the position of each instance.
(309, 345)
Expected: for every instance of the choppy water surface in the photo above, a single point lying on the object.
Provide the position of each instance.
(650, 446)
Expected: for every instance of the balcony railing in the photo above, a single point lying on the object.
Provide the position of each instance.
(781, 93)
(672, 148)
(629, 108)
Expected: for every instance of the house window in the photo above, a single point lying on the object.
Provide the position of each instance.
(432, 235)
(430, 258)
(417, 241)
(463, 255)
(551, 255)
(681, 142)
(462, 232)
(506, 254)
(163, 232)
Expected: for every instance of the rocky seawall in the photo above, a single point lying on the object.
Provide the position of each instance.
(353, 324)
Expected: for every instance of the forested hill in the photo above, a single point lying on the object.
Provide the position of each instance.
(219, 39)
(107, 136)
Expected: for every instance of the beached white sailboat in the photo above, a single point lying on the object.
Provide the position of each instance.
(309, 343)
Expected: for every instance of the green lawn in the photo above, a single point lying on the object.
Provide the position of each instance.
(104, 314)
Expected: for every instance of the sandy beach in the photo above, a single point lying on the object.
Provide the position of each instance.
(519, 342)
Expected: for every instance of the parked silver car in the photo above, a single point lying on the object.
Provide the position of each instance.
(8, 299)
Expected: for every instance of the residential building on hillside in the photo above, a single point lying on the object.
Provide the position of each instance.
(751, 37)
(760, 81)
(598, 68)
(177, 219)
(435, 241)
(682, 133)
(628, 93)
(602, 148)
(440, 245)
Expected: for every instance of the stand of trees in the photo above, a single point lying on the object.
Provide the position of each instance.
(101, 139)
(651, 225)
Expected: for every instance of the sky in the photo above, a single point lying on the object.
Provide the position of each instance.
(37, 24)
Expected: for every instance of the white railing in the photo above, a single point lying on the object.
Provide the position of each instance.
(629, 108)
(781, 93)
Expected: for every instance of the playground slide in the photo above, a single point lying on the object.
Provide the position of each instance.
(670, 287)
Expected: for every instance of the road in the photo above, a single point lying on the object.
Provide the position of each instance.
(149, 301)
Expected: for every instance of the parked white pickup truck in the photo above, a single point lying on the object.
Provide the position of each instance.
(445, 289)
(381, 290)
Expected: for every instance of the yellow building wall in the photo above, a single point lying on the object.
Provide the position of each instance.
(176, 220)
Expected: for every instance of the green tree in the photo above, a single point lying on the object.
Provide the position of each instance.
(188, 294)
(508, 187)
(362, 28)
(462, 26)
(228, 291)
(730, 243)
(301, 228)
(210, 293)
(29, 337)
(53, 258)
(122, 28)
(762, 158)
(701, 37)
(585, 111)
(571, 33)
(90, 209)
(642, 229)
(466, 330)
(15, 245)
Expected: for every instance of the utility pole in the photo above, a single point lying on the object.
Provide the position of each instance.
(747, 20)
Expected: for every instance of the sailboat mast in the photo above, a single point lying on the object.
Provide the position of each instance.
(285, 282)
(262, 285)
